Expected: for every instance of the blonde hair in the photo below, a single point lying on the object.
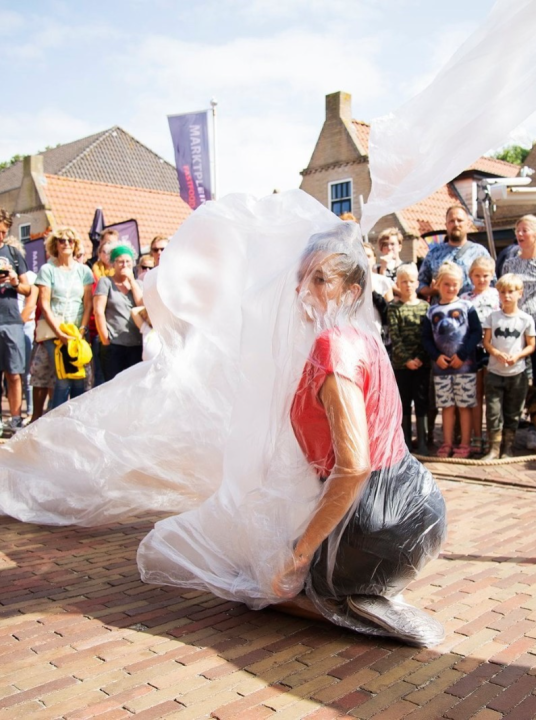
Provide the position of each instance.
(510, 281)
(449, 268)
(16, 243)
(387, 233)
(407, 270)
(6, 218)
(529, 220)
(483, 261)
(63, 233)
(348, 216)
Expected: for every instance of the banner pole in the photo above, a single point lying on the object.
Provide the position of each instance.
(213, 104)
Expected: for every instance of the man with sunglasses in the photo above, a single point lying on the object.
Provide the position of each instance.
(158, 245)
(13, 282)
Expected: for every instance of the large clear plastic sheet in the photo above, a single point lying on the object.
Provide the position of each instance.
(482, 94)
(154, 438)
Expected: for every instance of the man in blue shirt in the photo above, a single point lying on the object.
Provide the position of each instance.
(457, 249)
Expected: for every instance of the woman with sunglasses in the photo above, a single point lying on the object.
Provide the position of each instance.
(65, 288)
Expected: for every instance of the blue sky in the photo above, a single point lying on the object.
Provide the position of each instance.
(71, 69)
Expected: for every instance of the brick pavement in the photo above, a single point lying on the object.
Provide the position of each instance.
(81, 637)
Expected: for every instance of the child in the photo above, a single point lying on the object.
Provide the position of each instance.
(389, 245)
(410, 362)
(509, 339)
(485, 300)
(451, 332)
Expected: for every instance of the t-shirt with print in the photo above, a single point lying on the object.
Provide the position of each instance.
(452, 329)
(9, 304)
(508, 335)
(66, 289)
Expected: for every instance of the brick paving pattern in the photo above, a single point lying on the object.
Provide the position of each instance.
(82, 637)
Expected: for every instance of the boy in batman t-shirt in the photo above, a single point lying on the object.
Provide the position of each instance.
(509, 339)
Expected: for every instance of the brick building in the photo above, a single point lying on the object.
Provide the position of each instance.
(338, 176)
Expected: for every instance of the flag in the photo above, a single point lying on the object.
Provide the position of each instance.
(192, 156)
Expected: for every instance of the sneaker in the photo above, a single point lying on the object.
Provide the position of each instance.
(400, 620)
(15, 424)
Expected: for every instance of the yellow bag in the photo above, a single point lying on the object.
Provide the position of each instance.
(71, 358)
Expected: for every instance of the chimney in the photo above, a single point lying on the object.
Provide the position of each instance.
(339, 106)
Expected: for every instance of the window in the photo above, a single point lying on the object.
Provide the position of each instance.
(340, 197)
(24, 232)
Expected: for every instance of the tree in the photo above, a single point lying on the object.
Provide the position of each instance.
(515, 154)
(8, 163)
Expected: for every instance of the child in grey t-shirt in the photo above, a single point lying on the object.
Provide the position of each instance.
(509, 339)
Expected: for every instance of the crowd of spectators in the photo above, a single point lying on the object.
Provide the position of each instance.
(457, 337)
(78, 295)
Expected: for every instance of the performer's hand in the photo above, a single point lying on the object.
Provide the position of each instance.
(289, 580)
(443, 361)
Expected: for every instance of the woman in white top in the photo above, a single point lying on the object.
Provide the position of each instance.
(65, 295)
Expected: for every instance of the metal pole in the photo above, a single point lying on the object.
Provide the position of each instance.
(486, 200)
(213, 104)
(361, 204)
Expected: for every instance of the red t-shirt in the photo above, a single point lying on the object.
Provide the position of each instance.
(359, 357)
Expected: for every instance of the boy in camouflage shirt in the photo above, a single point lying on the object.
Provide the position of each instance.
(410, 362)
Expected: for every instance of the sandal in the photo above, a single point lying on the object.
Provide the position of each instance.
(445, 451)
(477, 445)
(462, 451)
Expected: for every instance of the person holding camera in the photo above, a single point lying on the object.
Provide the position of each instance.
(13, 282)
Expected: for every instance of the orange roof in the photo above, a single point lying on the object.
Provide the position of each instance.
(73, 202)
(363, 132)
(495, 167)
(428, 215)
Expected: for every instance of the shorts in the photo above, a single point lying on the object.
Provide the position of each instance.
(455, 390)
(42, 372)
(12, 349)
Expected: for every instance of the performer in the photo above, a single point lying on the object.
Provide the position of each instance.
(376, 518)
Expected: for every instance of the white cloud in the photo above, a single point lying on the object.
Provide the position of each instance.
(271, 93)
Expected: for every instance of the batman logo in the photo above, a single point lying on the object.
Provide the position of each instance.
(506, 333)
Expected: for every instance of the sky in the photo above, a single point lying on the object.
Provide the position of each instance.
(71, 69)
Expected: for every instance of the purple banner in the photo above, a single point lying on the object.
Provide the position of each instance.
(35, 254)
(128, 233)
(192, 156)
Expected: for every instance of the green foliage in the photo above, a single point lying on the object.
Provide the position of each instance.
(513, 154)
(16, 158)
(8, 163)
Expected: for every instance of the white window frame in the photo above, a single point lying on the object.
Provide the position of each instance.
(25, 225)
(350, 197)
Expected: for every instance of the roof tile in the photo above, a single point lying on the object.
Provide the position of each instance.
(73, 202)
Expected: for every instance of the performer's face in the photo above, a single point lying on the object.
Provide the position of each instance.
(321, 287)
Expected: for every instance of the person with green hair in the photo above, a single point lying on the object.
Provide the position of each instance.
(115, 296)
